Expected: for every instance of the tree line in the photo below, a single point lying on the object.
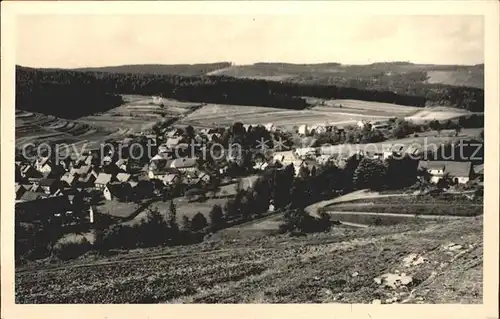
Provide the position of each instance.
(58, 91)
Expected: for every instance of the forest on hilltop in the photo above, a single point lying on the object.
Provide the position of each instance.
(69, 93)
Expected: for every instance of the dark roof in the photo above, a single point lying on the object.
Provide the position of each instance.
(117, 189)
(26, 168)
(42, 161)
(86, 178)
(30, 196)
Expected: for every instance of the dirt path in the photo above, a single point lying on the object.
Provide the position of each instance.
(361, 194)
(364, 194)
(398, 215)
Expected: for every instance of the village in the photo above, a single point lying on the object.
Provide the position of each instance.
(73, 188)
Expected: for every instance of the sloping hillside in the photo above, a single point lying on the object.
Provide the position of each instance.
(431, 260)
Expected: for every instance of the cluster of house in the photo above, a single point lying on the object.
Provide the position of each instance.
(374, 125)
(43, 183)
(306, 130)
(60, 186)
(173, 171)
(319, 128)
(460, 172)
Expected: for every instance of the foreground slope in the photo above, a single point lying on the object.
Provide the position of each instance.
(344, 265)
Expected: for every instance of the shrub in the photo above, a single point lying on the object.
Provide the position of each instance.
(199, 222)
(120, 236)
(216, 217)
(70, 247)
(299, 221)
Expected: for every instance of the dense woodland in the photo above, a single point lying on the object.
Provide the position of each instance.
(177, 69)
(69, 93)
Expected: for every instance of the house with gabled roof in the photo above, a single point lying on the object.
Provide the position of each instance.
(270, 127)
(172, 142)
(48, 185)
(102, 180)
(305, 152)
(120, 191)
(43, 165)
(158, 168)
(123, 164)
(31, 196)
(286, 158)
(459, 172)
(123, 177)
(87, 180)
(162, 149)
(203, 178)
(21, 189)
(260, 165)
(157, 174)
(174, 132)
(28, 171)
(479, 172)
(68, 179)
(170, 179)
(80, 170)
(184, 164)
(84, 159)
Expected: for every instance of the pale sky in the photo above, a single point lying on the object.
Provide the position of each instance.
(106, 40)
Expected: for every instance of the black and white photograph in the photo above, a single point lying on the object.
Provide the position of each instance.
(249, 158)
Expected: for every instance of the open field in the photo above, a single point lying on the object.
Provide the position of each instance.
(363, 107)
(336, 73)
(39, 128)
(188, 208)
(336, 112)
(351, 112)
(183, 206)
(139, 113)
(260, 227)
(412, 205)
(339, 267)
(462, 77)
(116, 208)
(392, 209)
(436, 113)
